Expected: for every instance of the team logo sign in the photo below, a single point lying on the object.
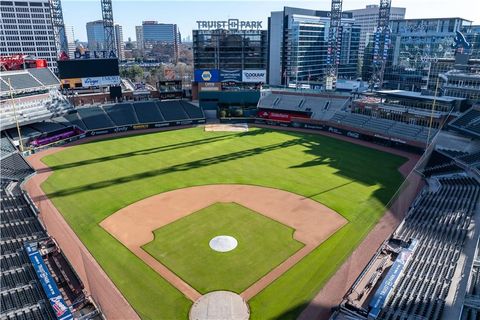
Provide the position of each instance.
(206, 75)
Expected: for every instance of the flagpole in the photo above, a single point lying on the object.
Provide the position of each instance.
(15, 115)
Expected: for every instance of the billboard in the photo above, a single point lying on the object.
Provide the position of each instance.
(389, 282)
(254, 76)
(101, 81)
(50, 288)
(230, 75)
(87, 68)
(203, 75)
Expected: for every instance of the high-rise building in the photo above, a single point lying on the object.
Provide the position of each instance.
(119, 42)
(154, 33)
(161, 35)
(96, 35)
(298, 47)
(367, 19)
(139, 37)
(26, 28)
(415, 45)
(69, 32)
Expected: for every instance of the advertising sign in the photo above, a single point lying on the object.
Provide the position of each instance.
(230, 24)
(254, 76)
(390, 280)
(211, 75)
(100, 54)
(101, 81)
(227, 75)
(50, 288)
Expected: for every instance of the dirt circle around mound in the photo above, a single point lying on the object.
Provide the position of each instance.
(135, 224)
(216, 305)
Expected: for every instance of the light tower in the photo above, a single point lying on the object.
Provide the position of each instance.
(61, 42)
(107, 16)
(381, 44)
(334, 45)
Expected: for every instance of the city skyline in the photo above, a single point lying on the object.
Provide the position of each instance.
(128, 15)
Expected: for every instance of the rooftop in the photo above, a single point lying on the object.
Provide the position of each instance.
(418, 95)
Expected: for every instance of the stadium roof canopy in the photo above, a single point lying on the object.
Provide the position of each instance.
(417, 95)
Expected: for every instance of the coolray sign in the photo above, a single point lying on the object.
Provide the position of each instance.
(230, 75)
(100, 81)
(230, 24)
(101, 54)
(254, 76)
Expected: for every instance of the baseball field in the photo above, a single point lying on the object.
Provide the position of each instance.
(146, 206)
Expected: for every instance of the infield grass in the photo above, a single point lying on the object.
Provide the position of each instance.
(94, 180)
(183, 246)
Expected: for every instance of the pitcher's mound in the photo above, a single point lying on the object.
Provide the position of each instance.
(223, 243)
(220, 305)
(233, 127)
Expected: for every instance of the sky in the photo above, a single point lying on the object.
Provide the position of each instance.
(129, 13)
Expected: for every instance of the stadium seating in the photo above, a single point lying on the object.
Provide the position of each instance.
(19, 80)
(439, 221)
(122, 114)
(44, 76)
(71, 118)
(15, 167)
(321, 107)
(46, 127)
(21, 295)
(192, 111)
(383, 126)
(33, 108)
(468, 122)
(6, 147)
(147, 112)
(172, 110)
(95, 118)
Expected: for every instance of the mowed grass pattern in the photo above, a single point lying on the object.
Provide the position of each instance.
(93, 180)
(183, 246)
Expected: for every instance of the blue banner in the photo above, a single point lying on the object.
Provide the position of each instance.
(390, 280)
(211, 75)
(49, 286)
(230, 75)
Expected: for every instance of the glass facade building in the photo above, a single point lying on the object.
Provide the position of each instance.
(416, 44)
(230, 49)
(298, 47)
(95, 35)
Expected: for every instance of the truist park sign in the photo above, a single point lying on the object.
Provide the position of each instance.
(230, 24)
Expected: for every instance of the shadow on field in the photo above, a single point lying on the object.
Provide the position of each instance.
(175, 168)
(354, 162)
(138, 152)
(315, 312)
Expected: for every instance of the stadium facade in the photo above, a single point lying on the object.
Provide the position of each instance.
(27, 29)
(226, 57)
(298, 47)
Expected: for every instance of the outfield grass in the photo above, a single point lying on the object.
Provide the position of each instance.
(183, 246)
(94, 180)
